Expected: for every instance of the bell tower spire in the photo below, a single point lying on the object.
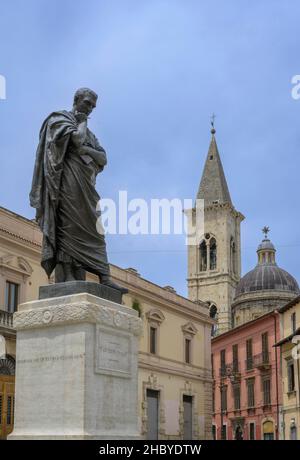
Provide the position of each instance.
(213, 185)
(214, 263)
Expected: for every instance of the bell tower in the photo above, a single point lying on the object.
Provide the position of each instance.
(214, 263)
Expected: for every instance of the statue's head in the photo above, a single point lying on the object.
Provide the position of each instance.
(85, 100)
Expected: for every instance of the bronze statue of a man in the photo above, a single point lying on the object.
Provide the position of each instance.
(68, 159)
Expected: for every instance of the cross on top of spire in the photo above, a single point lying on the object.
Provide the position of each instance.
(212, 122)
(266, 230)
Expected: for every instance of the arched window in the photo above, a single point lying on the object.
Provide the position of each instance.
(233, 255)
(213, 313)
(7, 366)
(213, 254)
(203, 257)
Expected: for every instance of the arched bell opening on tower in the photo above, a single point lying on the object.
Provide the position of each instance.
(203, 257)
(232, 255)
(213, 254)
(208, 253)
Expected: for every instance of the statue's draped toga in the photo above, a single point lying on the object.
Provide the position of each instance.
(64, 196)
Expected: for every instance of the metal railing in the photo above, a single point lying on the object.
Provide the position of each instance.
(223, 371)
(235, 367)
(263, 359)
(231, 369)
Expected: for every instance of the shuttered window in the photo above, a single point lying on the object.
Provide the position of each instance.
(249, 355)
(266, 391)
(291, 376)
(237, 397)
(251, 397)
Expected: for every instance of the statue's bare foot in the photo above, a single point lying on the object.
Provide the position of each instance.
(106, 281)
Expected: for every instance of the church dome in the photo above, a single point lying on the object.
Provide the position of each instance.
(267, 275)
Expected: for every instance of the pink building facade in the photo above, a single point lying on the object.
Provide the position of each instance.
(247, 393)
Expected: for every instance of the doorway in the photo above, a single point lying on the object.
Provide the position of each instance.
(239, 433)
(153, 407)
(188, 417)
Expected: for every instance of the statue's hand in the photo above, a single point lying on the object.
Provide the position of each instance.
(82, 150)
(81, 117)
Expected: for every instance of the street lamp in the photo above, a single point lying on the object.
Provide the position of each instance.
(225, 372)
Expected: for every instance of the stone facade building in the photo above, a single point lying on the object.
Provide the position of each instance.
(174, 387)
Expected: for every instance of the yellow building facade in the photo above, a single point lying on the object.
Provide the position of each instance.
(175, 384)
(290, 368)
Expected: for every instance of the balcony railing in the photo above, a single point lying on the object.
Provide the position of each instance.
(235, 367)
(6, 319)
(223, 372)
(231, 370)
(262, 361)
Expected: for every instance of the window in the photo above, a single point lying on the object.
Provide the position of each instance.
(223, 363)
(293, 322)
(237, 397)
(293, 433)
(224, 398)
(249, 363)
(213, 402)
(203, 257)
(265, 347)
(11, 297)
(251, 393)
(251, 431)
(233, 255)
(213, 254)
(1, 408)
(153, 340)
(188, 351)
(213, 313)
(189, 331)
(235, 358)
(291, 376)
(224, 432)
(266, 392)
(155, 319)
(9, 410)
(214, 432)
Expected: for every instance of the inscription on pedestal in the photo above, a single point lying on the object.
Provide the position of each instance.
(113, 353)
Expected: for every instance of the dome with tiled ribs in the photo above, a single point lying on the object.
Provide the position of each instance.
(267, 275)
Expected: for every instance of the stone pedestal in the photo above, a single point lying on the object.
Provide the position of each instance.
(76, 373)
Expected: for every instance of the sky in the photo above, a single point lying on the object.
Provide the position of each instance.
(161, 68)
